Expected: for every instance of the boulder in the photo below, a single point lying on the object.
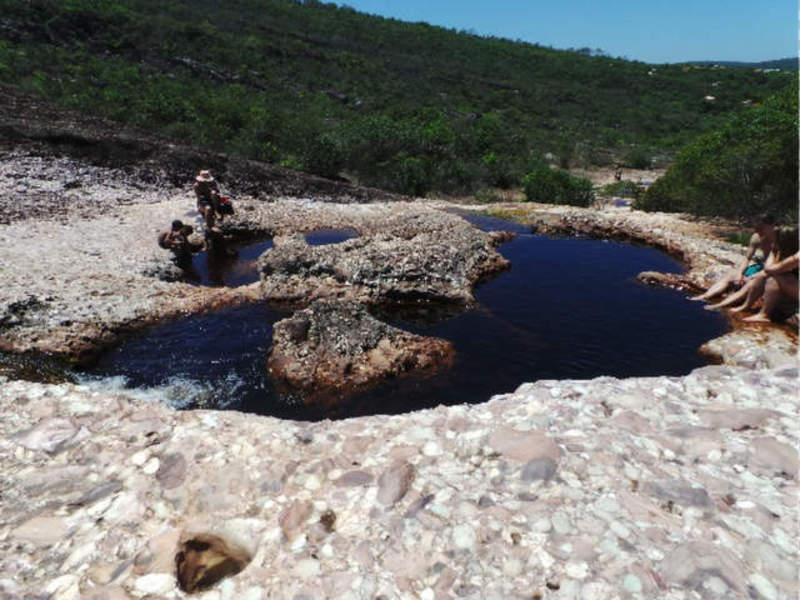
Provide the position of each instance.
(411, 258)
(336, 348)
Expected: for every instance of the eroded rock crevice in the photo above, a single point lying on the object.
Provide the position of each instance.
(204, 560)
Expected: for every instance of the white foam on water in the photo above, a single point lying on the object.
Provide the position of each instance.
(177, 391)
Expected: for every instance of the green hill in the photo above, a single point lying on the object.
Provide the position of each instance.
(408, 107)
(743, 168)
(784, 64)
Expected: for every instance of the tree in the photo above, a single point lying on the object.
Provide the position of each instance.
(553, 186)
(745, 167)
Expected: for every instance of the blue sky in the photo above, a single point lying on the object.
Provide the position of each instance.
(648, 30)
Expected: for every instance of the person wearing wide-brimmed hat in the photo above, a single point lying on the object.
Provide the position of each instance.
(207, 192)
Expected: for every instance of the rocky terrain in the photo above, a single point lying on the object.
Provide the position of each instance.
(413, 257)
(667, 487)
(336, 347)
(663, 487)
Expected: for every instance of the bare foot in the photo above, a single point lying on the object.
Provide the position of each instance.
(741, 308)
(697, 298)
(757, 318)
(712, 307)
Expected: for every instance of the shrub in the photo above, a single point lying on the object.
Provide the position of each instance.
(741, 237)
(625, 189)
(554, 186)
(637, 158)
(407, 174)
(488, 195)
(324, 155)
(743, 168)
(499, 172)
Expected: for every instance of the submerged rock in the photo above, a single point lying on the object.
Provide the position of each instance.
(672, 280)
(337, 347)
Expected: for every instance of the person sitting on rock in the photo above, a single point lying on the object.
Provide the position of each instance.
(781, 288)
(784, 246)
(187, 231)
(207, 192)
(761, 243)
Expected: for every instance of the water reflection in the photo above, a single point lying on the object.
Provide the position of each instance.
(226, 264)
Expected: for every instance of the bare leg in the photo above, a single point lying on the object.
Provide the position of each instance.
(742, 307)
(776, 288)
(751, 292)
(210, 217)
(754, 291)
(718, 287)
(734, 298)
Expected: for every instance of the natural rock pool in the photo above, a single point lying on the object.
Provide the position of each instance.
(237, 266)
(568, 308)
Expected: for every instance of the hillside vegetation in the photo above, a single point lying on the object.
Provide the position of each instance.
(746, 166)
(407, 107)
(785, 64)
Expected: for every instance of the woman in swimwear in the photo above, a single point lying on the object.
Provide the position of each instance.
(781, 285)
(784, 249)
(761, 243)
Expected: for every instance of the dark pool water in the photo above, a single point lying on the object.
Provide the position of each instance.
(568, 308)
(235, 265)
(322, 237)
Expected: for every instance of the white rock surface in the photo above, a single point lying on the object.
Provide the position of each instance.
(635, 508)
(664, 487)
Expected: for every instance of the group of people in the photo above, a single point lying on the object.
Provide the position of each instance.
(768, 273)
(212, 207)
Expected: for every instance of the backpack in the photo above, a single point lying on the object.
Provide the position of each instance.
(225, 206)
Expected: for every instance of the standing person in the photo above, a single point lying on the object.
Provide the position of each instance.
(207, 192)
(761, 245)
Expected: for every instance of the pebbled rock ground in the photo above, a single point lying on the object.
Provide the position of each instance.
(336, 348)
(666, 487)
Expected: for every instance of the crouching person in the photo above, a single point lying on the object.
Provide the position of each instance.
(177, 239)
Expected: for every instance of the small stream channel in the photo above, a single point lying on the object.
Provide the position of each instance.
(568, 308)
